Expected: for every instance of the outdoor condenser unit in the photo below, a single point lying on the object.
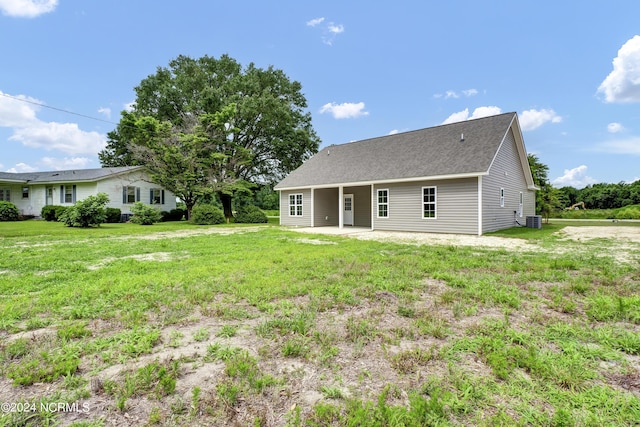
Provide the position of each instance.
(534, 221)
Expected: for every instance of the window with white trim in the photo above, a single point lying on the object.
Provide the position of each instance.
(67, 194)
(429, 202)
(383, 203)
(130, 195)
(521, 204)
(295, 204)
(5, 195)
(25, 192)
(502, 197)
(156, 196)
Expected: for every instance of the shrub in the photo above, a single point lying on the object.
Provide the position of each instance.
(89, 212)
(251, 215)
(52, 212)
(8, 212)
(113, 215)
(173, 214)
(206, 215)
(144, 214)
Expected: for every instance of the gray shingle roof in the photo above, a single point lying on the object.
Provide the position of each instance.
(430, 152)
(77, 175)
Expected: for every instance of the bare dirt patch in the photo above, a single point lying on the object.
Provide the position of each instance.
(631, 234)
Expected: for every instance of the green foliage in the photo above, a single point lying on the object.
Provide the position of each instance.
(144, 214)
(43, 365)
(52, 212)
(113, 215)
(8, 211)
(250, 215)
(174, 214)
(89, 212)
(207, 215)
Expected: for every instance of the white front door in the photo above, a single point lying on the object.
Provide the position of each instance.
(348, 209)
(49, 191)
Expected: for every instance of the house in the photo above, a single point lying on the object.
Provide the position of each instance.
(469, 177)
(31, 191)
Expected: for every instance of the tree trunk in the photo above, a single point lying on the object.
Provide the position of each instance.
(189, 209)
(226, 205)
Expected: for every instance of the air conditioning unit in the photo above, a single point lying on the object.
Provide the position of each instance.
(534, 221)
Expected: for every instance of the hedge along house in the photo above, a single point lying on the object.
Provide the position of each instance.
(124, 186)
(469, 177)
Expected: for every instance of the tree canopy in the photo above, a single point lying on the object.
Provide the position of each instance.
(208, 125)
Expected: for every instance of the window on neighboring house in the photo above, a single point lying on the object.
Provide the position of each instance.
(5, 195)
(156, 196)
(130, 195)
(429, 208)
(295, 204)
(383, 203)
(67, 194)
(502, 197)
(25, 192)
(521, 205)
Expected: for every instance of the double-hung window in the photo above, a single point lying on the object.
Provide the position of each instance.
(25, 192)
(156, 196)
(130, 195)
(429, 202)
(67, 194)
(295, 204)
(383, 203)
(5, 195)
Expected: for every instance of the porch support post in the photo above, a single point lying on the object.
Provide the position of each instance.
(340, 207)
(374, 204)
(480, 205)
(312, 207)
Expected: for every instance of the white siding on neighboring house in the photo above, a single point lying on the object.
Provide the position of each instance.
(505, 172)
(113, 187)
(456, 205)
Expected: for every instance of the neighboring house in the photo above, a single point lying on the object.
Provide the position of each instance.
(31, 191)
(469, 177)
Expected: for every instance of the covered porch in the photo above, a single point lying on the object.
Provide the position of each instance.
(342, 207)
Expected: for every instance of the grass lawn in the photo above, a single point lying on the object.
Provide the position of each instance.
(176, 324)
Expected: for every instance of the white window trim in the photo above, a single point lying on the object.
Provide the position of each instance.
(28, 192)
(295, 204)
(378, 203)
(501, 197)
(6, 194)
(435, 202)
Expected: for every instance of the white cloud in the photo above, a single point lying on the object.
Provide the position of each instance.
(479, 112)
(65, 137)
(52, 163)
(106, 111)
(533, 119)
(20, 114)
(329, 31)
(27, 8)
(335, 29)
(130, 106)
(470, 92)
(621, 146)
(615, 127)
(393, 132)
(22, 167)
(451, 94)
(347, 110)
(18, 110)
(576, 177)
(623, 83)
(314, 22)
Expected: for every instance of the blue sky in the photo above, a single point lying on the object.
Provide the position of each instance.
(570, 70)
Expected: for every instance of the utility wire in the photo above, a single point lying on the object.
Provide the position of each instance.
(57, 109)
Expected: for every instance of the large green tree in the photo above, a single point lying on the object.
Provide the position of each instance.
(547, 197)
(266, 134)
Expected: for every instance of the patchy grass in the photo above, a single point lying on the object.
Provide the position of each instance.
(182, 325)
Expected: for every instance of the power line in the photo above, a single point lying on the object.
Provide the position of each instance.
(57, 109)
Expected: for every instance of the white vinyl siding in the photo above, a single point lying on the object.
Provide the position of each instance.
(383, 203)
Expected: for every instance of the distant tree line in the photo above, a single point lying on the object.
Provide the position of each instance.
(601, 196)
